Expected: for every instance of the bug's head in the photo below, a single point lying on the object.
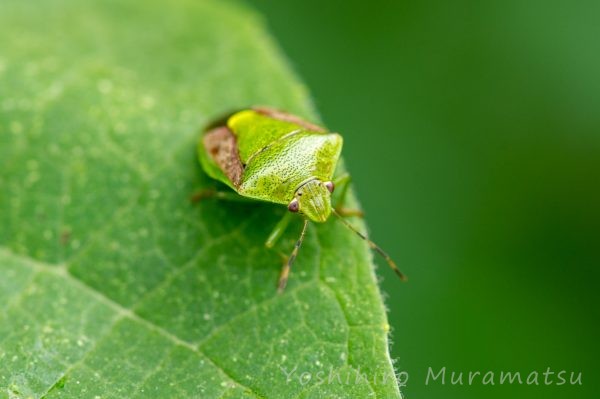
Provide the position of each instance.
(313, 199)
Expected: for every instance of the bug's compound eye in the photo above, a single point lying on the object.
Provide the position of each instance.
(330, 186)
(294, 206)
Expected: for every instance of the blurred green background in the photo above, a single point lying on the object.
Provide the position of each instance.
(473, 135)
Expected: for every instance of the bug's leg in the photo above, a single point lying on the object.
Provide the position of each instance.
(278, 230)
(211, 193)
(342, 183)
(285, 271)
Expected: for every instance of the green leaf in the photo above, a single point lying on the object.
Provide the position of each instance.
(113, 284)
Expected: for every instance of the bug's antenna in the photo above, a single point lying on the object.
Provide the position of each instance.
(373, 246)
(283, 277)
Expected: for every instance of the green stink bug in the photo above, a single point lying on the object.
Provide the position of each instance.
(269, 155)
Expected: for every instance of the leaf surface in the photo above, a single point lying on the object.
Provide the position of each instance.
(113, 284)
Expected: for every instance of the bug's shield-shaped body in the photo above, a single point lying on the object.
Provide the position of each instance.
(272, 156)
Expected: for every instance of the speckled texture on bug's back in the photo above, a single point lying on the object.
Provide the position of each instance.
(255, 131)
(275, 173)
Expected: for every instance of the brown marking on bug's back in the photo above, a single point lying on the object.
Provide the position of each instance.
(284, 116)
(221, 144)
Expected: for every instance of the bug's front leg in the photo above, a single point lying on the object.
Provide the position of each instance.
(278, 230)
(285, 271)
(287, 260)
(342, 183)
